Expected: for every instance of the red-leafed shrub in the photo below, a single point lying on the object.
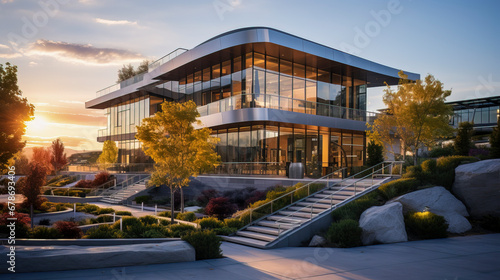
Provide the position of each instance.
(84, 184)
(257, 195)
(68, 229)
(101, 178)
(21, 224)
(206, 195)
(220, 207)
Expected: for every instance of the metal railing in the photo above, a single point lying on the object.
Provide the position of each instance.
(381, 167)
(137, 179)
(110, 167)
(79, 192)
(262, 100)
(321, 180)
(139, 77)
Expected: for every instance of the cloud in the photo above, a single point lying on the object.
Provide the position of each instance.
(32, 63)
(72, 101)
(80, 53)
(74, 142)
(7, 1)
(115, 22)
(72, 120)
(7, 52)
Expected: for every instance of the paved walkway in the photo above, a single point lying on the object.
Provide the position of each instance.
(472, 257)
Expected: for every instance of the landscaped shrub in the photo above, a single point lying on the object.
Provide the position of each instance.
(225, 231)
(127, 221)
(188, 216)
(354, 209)
(398, 187)
(68, 229)
(429, 166)
(155, 232)
(166, 214)
(149, 220)
(425, 225)
(104, 232)
(105, 211)
(180, 230)
(101, 178)
(44, 222)
(45, 233)
(240, 197)
(142, 198)
(206, 244)
(205, 197)
(233, 223)
(345, 234)
(23, 222)
(490, 222)
(123, 213)
(220, 207)
(84, 184)
(257, 195)
(446, 169)
(210, 223)
(305, 191)
(441, 151)
(91, 209)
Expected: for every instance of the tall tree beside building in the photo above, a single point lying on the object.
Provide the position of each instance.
(43, 156)
(416, 114)
(59, 159)
(495, 141)
(178, 149)
(375, 153)
(463, 141)
(15, 111)
(109, 153)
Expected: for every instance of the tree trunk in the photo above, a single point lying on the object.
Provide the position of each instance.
(182, 200)
(415, 157)
(31, 215)
(172, 205)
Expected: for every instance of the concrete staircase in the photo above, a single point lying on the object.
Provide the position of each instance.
(123, 191)
(271, 231)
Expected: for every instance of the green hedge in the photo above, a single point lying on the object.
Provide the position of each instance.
(206, 244)
(354, 209)
(45, 233)
(345, 234)
(398, 187)
(188, 216)
(425, 225)
(210, 223)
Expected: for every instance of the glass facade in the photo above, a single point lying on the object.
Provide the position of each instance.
(253, 80)
(486, 116)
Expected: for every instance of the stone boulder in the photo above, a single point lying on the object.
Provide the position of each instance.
(478, 186)
(317, 241)
(383, 224)
(441, 202)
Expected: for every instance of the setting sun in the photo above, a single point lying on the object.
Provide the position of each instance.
(36, 125)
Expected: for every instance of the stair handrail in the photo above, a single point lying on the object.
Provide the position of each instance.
(330, 197)
(103, 187)
(290, 193)
(126, 183)
(115, 189)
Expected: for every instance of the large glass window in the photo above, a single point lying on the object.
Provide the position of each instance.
(245, 153)
(259, 61)
(272, 63)
(286, 67)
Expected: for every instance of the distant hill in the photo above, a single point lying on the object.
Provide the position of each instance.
(28, 152)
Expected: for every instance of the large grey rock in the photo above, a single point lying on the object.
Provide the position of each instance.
(439, 201)
(478, 186)
(317, 241)
(51, 258)
(383, 224)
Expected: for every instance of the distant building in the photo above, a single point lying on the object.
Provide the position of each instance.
(483, 112)
(84, 158)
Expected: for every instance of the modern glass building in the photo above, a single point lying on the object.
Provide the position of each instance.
(272, 98)
(483, 112)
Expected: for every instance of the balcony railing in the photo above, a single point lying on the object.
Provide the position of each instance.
(286, 104)
(139, 77)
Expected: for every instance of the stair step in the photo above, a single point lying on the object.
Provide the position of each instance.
(343, 192)
(290, 220)
(273, 224)
(316, 205)
(256, 235)
(297, 214)
(306, 209)
(246, 241)
(324, 201)
(265, 230)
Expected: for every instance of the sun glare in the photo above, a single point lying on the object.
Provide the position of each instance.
(37, 124)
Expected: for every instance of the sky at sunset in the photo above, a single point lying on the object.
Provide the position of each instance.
(66, 50)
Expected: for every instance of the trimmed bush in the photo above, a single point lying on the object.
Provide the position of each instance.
(142, 198)
(354, 209)
(91, 208)
(429, 166)
(149, 220)
(490, 222)
(233, 223)
(103, 232)
(398, 187)
(45, 233)
(225, 231)
(103, 219)
(106, 211)
(206, 244)
(68, 229)
(220, 207)
(205, 196)
(180, 230)
(44, 222)
(123, 213)
(425, 225)
(166, 214)
(345, 234)
(101, 178)
(188, 216)
(442, 151)
(127, 221)
(84, 184)
(210, 223)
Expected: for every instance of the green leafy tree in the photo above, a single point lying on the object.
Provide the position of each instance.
(375, 153)
(178, 149)
(143, 67)
(126, 72)
(109, 153)
(59, 159)
(463, 141)
(14, 113)
(495, 141)
(416, 114)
